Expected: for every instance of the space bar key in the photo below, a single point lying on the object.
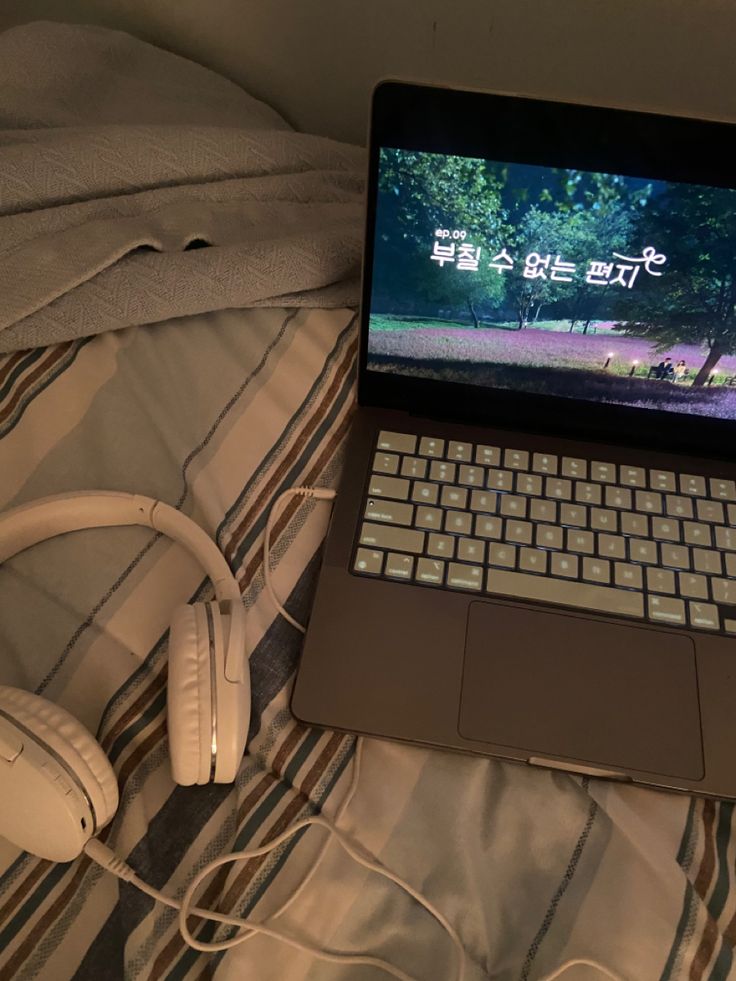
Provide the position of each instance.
(623, 602)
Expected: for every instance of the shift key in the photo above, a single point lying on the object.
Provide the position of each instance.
(391, 537)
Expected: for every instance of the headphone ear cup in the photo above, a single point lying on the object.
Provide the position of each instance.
(72, 742)
(189, 694)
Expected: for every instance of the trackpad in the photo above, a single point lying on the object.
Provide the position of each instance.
(558, 684)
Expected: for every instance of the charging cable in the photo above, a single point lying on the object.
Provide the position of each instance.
(106, 858)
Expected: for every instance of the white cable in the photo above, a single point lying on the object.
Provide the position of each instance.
(320, 494)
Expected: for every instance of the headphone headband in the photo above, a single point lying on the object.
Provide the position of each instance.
(29, 524)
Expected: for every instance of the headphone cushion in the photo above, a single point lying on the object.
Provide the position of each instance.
(189, 694)
(71, 741)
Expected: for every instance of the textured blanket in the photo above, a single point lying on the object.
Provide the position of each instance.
(136, 186)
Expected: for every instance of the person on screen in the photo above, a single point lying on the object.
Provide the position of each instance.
(680, 371)
(665, 371)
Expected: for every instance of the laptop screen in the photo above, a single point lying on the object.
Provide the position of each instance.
(554, 281)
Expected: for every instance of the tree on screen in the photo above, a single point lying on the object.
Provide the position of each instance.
(694, 302)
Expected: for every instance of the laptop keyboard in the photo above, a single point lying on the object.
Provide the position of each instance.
(589, 534)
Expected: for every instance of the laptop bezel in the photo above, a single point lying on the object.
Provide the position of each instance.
(424, 117)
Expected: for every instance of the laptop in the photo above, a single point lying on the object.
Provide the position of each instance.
(532, 554)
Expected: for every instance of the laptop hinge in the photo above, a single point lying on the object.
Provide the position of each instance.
(589, 771)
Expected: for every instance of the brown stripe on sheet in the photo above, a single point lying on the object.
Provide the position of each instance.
(10, 363)
(213, 892)
(310, 425)
(61, 901)
(53, 357)
(137, 708)
(702, 882)
(304, 789)
(39, 868)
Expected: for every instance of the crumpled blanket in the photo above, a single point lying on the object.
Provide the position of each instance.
(137, 186)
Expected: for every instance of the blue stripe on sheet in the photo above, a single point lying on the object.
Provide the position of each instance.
(684, 858)
(145, 718)
(34, 900)
(207, 932)
(24, 363)
(722, 964)
(286, 432)
(560, 892)
(723, 833)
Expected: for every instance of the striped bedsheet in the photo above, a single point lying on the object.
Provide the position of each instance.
(217, 415)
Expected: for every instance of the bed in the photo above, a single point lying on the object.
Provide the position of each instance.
(178, 291)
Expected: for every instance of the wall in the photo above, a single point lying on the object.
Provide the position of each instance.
(316, 60)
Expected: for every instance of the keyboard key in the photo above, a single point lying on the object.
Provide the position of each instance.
(388, 487)
(487, 527)
(529, 483)
(398, 442)
(519, 531)
(575, 468)
(675, 556)
(612, 546)
(587, 493)
(424, 493)
(459, 451)
(465, 576)
(580, 541)
(603, 472)
(662, 480)
(601, 520)
(443, 472)
(391, 537)
(703, 615)
(628, 576)
(632, 476)
(635, 525)
(386, 463)
(431, 571)
(483, 501)
(730, 558)
(513, 506)
(666, 609)
(729, 626)
(441, 545)
(596, 570)
(693, 585)
(458, 522)
(693, 485)
(706, 560)
(724, 591)
(660, 580)
(454, 497)
(575, 515)
(726, 539)
(489, 456)
(679, 507)
(618, 497)
(399, 566)
(641, 550)
(516, 459)
(547, 463)
(533, 560)
(430, 446)
(430, 518)
(502, 480)
(471, 550)
(502, 555)
(540, 510)
(666, 530)
(549, 536)
(724, 490)
(696, 534)
(649, 501)
(392, 512)
(586, 596)
(368, 561)
(711, 511)
(414, 466)
(563, 565)
(472, 476)
(732, 515)
(558, 487)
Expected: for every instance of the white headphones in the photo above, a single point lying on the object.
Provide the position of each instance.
(57, 787)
